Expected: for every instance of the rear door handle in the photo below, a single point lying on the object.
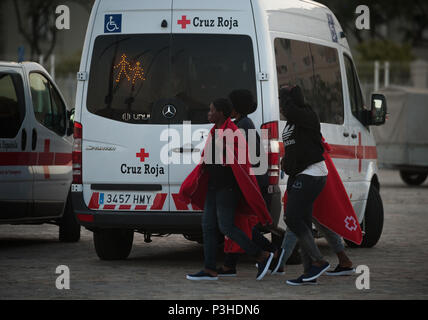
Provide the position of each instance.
(187, 149)
(23, 139)
(346, 134)
(34, 140)
(354, 136)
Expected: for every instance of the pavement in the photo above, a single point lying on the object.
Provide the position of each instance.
(397, 265)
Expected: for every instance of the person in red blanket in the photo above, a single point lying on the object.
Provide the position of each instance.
(304, 163)
(225, 188)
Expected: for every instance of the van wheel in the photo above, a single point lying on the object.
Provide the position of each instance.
(373, 220)
(413, 178)
(69, 228)
(113, 244)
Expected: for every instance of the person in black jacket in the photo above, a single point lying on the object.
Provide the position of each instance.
(304, 163)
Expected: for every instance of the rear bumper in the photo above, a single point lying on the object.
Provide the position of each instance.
(147, 221)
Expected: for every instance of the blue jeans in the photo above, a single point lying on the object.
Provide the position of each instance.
(290, 240)
(219, 216)
(302, 191)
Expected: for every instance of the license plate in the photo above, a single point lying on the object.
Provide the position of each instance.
(130, 198)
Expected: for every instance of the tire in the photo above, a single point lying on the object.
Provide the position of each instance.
(69, 228)
(413, 178)
(373, 220)
(113, 244)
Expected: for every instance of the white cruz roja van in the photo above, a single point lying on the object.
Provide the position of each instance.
(149, 66)
(35, 150)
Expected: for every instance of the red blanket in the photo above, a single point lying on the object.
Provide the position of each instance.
(332, 208)
(251, 209)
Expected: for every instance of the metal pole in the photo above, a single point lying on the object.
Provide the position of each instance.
(387, 65)
(376, 75)
(53, 67)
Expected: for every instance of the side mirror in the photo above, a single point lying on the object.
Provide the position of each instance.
(70, 122)
(378, 110)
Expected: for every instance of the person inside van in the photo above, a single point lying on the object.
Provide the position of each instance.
(304, 163)
(243, 104)
(225, 190)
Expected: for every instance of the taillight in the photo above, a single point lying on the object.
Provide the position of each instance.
(77, 153)
(273, 151)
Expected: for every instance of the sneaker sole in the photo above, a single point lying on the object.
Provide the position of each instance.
(341, 273)
(274, 271)
(227, 275)
(301, 284)
(317, 275)
(201, 278)
(266, 269)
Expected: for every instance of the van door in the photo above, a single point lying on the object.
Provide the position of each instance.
(361, 141)
(213, 54)
(128, 96)
(52, 171)
(16, 177)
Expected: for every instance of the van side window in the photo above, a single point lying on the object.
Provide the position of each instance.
(12, 106)
(316, 70)
(58, 112)
(46, 110)
(355, 95)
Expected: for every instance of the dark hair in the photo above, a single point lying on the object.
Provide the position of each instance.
(291, 95)
(223, 105)
(243, 101)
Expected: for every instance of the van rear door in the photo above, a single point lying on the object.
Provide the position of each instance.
(213, 53)
(129, 84)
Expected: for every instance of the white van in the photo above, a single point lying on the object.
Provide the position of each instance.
(148, 66)
(35, 150)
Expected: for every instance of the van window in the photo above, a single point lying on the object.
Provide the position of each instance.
(316, 69)
(49, 109)
(355, 95)
(58, 112)
(133, 77)
(12, 107)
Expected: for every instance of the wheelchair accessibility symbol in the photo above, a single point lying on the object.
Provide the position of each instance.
(112, 23)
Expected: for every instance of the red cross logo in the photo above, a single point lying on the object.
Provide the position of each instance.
(184, 22)
(142, 155)
(360, 152)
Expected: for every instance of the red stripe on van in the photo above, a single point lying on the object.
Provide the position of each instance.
(141, 207)
(125, 207)
(34, 159)
(109, 207)
(179, 205)
(158, 202)
(94, 202)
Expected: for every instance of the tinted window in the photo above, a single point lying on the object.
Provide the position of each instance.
(12, 107)
(48, 107)
(316, 70)
(40, 95)
(58, 112)
(133, 77)
(355, 95)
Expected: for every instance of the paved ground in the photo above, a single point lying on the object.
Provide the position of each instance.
(29, 256)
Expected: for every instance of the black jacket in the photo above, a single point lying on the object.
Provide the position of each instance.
(302, 139)
(246, 124)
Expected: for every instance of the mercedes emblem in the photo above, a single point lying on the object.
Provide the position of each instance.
(169, 111)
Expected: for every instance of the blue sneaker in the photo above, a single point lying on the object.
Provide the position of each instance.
(314, 272)
(201, 275)
(277, 263)
(264, 267)
(299, 282)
